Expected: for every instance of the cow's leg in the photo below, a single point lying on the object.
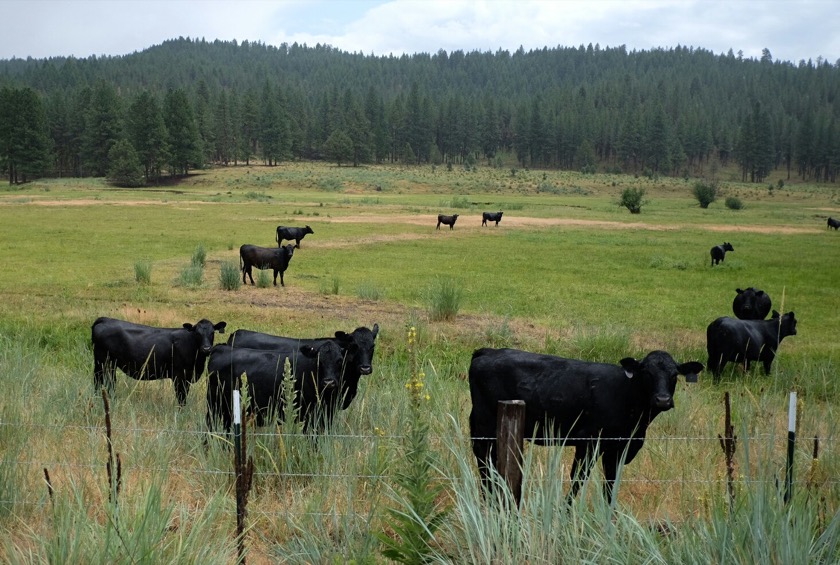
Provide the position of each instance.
(768, 361)
(104, 372)
(585, 456)
(610, 460)
(282, 282)
(182, 388)
(275, 278)
(438, 226)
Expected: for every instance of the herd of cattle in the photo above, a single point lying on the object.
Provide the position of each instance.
(600, 409)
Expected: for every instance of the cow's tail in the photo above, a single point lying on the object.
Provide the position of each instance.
(241, 262)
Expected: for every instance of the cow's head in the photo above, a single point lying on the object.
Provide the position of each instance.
(205, 330)
(359, 346)
(728, 246)
(787, 324)
(286, 251)
(307, 229)
(658, 374)
(329, 357)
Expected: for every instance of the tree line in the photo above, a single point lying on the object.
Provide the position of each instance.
(188, 103)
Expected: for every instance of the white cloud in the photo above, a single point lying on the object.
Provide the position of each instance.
(791, 29)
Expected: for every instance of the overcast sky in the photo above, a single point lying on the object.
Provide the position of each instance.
(791, 29)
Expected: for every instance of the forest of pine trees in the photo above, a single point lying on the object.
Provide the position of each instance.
(189, 103)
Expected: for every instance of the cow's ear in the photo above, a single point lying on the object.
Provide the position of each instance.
(308, 350)
(188, 326)
(375, 330)
(341, 335)
(775, 314)
(759, 293)
(690, 370)
(739, 290)
(220, 327)
(631, 366)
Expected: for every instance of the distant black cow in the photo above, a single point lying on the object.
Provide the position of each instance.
(359, 344)
(744, 341)
(595, 407)
(491, 217)
(447, 221)
(832, 223)
(150, 353)
(719, 251)
(751, 304)
(292, 234)
(265, 258)
(316, 371)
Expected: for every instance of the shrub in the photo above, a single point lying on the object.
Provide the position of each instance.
(264, 278)
(444, 299)
(633, 199)
(734, 203)
(192, 275)
(199, 257)
(229, 276)
(706, 192)
(331, 286)
(143, 271)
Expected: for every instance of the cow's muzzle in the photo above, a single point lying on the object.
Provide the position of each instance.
(663, 401)
(330, 384)
(365, 369)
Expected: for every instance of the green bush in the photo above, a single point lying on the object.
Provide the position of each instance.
(734, 203)
(229, 276)
(143, 271)
(331, 286)
(199, 257)
(191, 275)
(633, 199)
(444, 299)
(706, 192)
(264, 278)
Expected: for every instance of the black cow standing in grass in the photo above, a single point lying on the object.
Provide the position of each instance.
(751, 304)
(149, 353)
(599, 409)
(447, 221)
(359, 343)
(291, 234)
(832, 223)
(316, 371)
(265, 258)
(719, 251)
(744, 341)
(491, 217)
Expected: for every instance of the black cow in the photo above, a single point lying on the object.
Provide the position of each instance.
(719, 251)
(595, 407)
(147, 353)
(316, 371)
(359, 344)
(832, 223)
(447, 221)
(291, 234)
(265, 258)
(744, 341)
(491, 217)
(751, 304)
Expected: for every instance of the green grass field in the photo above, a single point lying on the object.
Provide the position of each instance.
(567, 272)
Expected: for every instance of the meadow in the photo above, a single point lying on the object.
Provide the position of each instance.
(568, 272)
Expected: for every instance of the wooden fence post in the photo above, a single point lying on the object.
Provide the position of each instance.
(510, 439)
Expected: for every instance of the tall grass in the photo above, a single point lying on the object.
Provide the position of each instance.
(229, 276)
(143, 271)
(444, 298)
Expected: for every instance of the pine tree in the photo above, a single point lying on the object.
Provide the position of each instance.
(147, 134)
(103, 126)
(183, 141)
(24, 135)
(124, 167)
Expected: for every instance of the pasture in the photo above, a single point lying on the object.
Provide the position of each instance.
(567, 272)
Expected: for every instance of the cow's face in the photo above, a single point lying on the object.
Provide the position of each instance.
(658, 375)
(360, 345)
(330, 361)
(728, 246)
(787, 325)
(206, 330)
(288, 251)
(307, 229)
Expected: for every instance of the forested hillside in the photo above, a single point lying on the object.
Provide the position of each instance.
(188, 103)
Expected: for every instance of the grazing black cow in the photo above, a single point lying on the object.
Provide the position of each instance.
(832, 223)
(359, 344)
(595, 407)
(751, 304)
(744, 341)
(265, 258)
(148, 353)
(491, 217)
(292, 234)
(316, 371)
(447, 221)
(719, 251)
